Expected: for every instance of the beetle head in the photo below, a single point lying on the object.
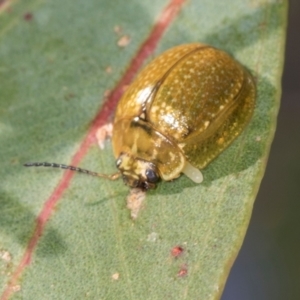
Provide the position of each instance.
(136, 172)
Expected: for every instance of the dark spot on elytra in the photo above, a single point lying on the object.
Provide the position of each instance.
(141, 124)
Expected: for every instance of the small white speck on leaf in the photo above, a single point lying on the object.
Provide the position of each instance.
(16, 288)
(152, 237)
(124, 41)
(5, 255)
(115, 276)
(118, 29)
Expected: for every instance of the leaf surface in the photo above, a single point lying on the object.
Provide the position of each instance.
(57, 60)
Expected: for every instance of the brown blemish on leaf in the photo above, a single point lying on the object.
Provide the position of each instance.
(183, 271)
(69, 96)
(107, 93)
(15, 161)
(177, 251)
(118, 29)
(28, 16)
(108, 69)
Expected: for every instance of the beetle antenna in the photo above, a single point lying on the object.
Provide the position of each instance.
(72, 168)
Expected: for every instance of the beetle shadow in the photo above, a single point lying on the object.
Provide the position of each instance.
(105, 199)
(19, 222)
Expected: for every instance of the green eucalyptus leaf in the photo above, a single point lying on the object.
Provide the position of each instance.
(57, 60)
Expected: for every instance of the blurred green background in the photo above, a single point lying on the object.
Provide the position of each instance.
(268, 265)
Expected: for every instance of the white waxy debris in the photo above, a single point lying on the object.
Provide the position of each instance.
(103, 133)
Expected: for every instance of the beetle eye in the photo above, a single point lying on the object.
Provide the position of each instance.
(151, 176)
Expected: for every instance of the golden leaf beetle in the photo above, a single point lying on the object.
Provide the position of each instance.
(182, 110)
